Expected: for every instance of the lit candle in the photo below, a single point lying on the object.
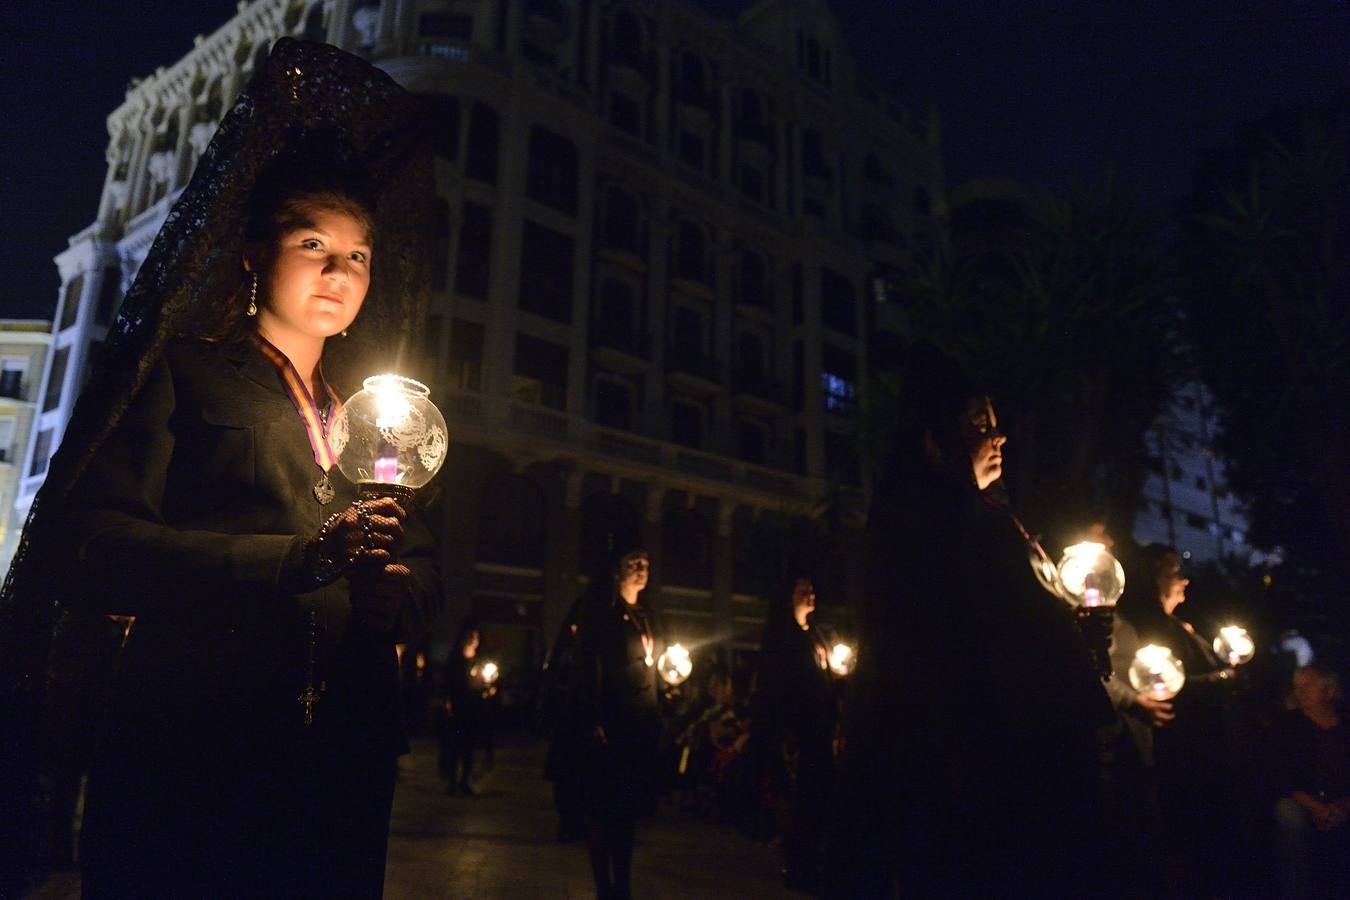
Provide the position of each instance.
(386, 469)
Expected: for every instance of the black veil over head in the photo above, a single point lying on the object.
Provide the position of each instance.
(311, 106)
(935, 392)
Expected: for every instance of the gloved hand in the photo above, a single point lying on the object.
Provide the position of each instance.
(367, 532)
(378, 593)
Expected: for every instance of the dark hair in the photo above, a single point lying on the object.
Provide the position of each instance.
(779, 620)
(935, 394)
(1140, 605)
(467, 626)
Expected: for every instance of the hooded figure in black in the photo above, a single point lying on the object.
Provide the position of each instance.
(969, 766)
(616, 712)
(794, 715)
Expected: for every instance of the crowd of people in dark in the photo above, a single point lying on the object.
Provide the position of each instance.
(989, 742)
(248, 737)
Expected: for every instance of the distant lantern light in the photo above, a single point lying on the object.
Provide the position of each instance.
(1234, 645)
(1157, 673)
(487, 672)
(842, 659)
(675, 664)
(1090, 576)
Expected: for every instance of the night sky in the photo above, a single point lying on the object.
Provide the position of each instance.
(1043, 92)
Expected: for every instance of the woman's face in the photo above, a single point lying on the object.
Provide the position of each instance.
(1312, 691)
(980, 429)
(633, 571)
(471, 645)
(1171, 583)
(803, 600)
(318, 278)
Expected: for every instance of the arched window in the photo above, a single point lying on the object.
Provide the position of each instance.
(692, 88)
(813, 155)
(511, 522)
(686, 544)
(621, 224)
(626, 32)
(603, 516)
(443, 117)
(551, 177)
(750, 366)
(754, 283)
(691, 261)
(484, 136)
(440, 243)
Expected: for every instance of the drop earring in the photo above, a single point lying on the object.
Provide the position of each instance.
(344, 332)
(253, 296)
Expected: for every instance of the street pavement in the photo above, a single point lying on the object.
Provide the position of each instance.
(500, 843)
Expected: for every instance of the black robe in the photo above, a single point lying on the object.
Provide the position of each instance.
(616, 690)
(191, 517)
(970, 762)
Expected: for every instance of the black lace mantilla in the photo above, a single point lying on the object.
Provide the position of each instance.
(193, 270)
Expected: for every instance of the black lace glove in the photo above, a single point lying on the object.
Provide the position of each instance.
(366, 533)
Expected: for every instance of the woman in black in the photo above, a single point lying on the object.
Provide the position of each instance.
(618, 716)
(250, 736)
(1191, 761)
(794, 717)
(970, 749)
(465, 696)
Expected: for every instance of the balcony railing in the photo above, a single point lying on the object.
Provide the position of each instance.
(759, 385)
(626, 340)
(694, 363)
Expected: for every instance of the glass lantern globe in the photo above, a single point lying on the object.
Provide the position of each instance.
(1090, 576)
(1234, 645)
(389, 437)
(488, 672)
(1156, 672)
(842, 659)
(674, 664)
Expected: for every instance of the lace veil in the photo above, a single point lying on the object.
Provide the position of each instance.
(308, 98)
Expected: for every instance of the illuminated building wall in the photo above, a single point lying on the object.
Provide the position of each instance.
(24, 344)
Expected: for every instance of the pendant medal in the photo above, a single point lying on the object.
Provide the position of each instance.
(323, 491)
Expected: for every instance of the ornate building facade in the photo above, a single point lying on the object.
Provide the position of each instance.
(24, 344)
(659, 238)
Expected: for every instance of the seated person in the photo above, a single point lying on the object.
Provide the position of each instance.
(1312, 816)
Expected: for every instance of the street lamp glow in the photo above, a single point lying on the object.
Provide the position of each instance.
(1156, 672)
(1234, 645)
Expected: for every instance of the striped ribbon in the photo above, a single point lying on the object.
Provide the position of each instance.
(298, 392)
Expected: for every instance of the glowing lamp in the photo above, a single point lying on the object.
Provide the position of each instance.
(674, 664)
(1156, 672)
(389, 438)
(1234, 645)
(487, 672)
(842, 659)
(1090, 576)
